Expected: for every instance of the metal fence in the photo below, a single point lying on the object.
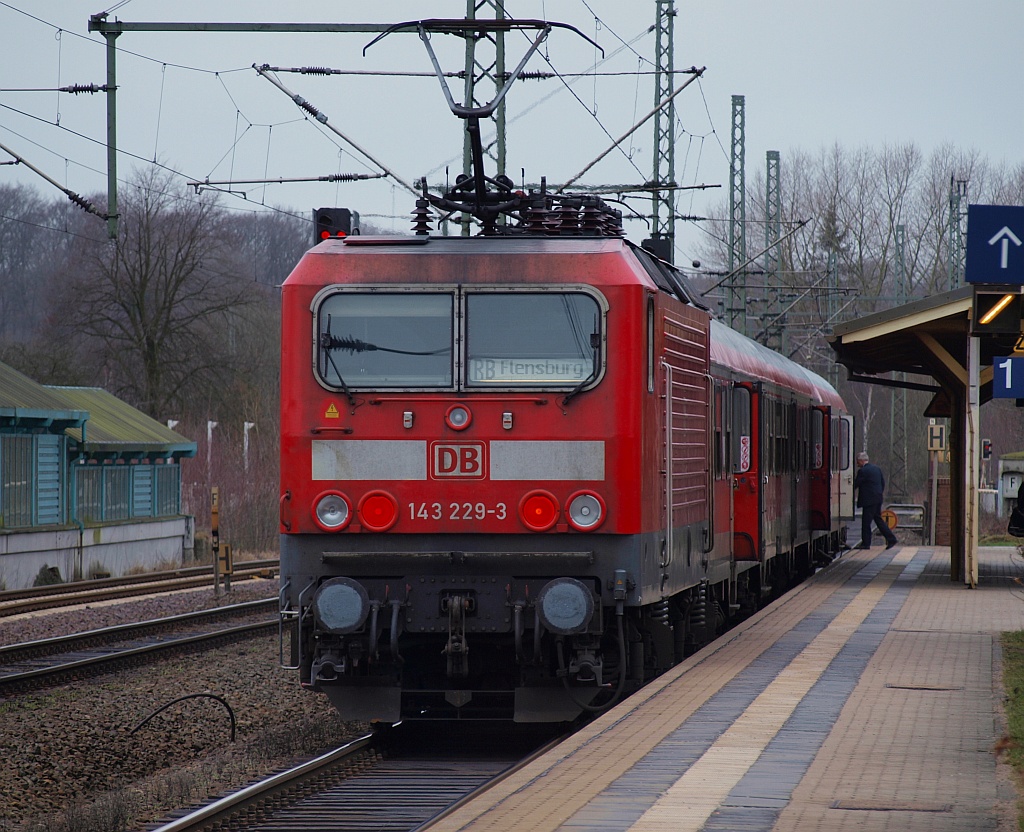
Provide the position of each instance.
(32, 475)
(123, 492)
(35, 481)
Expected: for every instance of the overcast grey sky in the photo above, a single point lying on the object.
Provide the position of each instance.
(814, 72)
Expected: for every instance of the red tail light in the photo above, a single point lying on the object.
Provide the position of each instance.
(539, 511)
(378, 511)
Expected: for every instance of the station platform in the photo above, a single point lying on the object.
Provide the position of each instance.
(869, 698)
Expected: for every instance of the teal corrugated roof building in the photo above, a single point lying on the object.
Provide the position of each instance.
(115, 427)
(24, 403)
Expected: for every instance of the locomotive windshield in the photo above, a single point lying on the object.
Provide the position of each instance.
(376, 339)
(518, 339)
(512, 339)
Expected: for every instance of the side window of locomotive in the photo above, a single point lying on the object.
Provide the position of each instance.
(371, 340)
(741, 430)
(650, 345)
(532, 339)
(719, 417)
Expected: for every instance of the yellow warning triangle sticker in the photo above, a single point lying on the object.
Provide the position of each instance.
(332, 412)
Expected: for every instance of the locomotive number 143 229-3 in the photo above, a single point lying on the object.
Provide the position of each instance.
(457, 511)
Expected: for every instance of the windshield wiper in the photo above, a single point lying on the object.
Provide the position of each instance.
(326, 337)
(595, 345)
(354, 345)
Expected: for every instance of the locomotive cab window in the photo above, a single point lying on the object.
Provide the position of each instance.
(532, 339)
(458, 338)
(385, 340)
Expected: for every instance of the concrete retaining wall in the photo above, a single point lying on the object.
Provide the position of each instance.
(114, 548)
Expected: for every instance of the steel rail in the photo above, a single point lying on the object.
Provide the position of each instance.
(11, 653)
(71, 594)
(14, 682)
(224, 808)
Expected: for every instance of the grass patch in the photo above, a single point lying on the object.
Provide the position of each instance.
(1012, 745)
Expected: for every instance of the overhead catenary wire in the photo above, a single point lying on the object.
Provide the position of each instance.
(696, 73)
(412, 188)
(300, 102)
(281, 180)
(78, 199)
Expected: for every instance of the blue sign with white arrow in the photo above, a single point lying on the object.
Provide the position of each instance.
(995, 244)
(1008, 378)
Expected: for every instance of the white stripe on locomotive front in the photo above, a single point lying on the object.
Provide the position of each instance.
(368, 459)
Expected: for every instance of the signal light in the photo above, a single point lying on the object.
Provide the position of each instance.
(996, 312)
(334, 222)
(986, 448)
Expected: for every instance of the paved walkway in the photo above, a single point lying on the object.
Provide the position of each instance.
(869, 699)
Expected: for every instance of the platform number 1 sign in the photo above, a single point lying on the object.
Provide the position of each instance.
(1008, 379)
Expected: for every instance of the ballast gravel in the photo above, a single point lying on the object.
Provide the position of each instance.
(72, 760)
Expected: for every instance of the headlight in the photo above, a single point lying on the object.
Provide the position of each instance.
(565, 606)
(340, 605)
(331, 511)
(585, 511)
(458, 417)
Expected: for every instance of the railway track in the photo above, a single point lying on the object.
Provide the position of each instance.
(32, 665)
(371, 783)
(18, 601)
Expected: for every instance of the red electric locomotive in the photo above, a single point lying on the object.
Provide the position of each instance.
(523, 473)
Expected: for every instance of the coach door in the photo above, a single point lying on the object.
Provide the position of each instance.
(746, 473)
(845, 468)
(821, 469)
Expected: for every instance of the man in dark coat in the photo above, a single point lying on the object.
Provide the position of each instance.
(870, 483)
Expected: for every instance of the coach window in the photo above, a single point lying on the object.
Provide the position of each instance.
(374, 340)
(741, 430)
(844, 445)
(532, 339)
(817, 439)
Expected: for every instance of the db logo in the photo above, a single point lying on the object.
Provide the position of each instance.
(462, 460)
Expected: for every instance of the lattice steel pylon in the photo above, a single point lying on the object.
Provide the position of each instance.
(957, 229)
(476, 73)
(898, 411)
(832, 281)
(736, 294)
(772, 233)
(663, 208)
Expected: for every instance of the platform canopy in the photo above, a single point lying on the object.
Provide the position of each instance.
(926, 338)
(930, 339)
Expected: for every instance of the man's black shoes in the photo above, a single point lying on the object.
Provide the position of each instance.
(891, 543)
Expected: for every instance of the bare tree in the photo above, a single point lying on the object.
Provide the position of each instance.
(27, 249)
(269, 243)
(157, 300)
